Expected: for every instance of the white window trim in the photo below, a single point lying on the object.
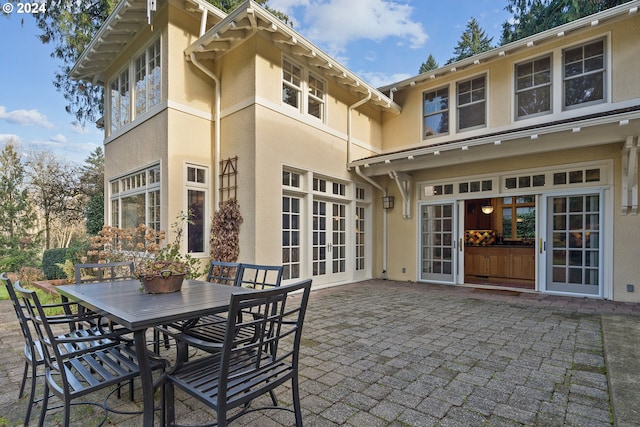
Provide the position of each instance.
(606, 72)
(552, 85)
(449, 112)
(133, 119)
(303, 102)
(457, 106)
(198, 186)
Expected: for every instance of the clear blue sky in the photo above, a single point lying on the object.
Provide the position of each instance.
(380, 40)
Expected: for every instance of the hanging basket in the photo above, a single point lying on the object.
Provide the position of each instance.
(162, 284)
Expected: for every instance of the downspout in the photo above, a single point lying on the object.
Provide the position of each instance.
(216, 135)
(384, 220)
(349, 123)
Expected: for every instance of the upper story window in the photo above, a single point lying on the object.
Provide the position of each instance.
(147, 75)
(137, 88)
(435, 109)
(472, 103)
(303, 90)
(533, 87)
(584, 74)
(120, 100)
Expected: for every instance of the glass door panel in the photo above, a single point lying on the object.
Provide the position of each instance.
(573, 263)
(437, 243)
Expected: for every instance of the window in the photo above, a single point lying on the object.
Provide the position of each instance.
(533, 87)
(147, 75)
(519, 217)
(291, 244)
(584, 68)
(436, 112)
(316, 97)
(291, 84)
(196, 206)
(130, 99)
(472, 103)
(120, 100)
(360, 238)
(290, 179)
(135, 199)
(303, 90)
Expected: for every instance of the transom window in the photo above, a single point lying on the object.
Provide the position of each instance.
(584, 74)
(303, 90)
(435, 107)
(533, 87)
(472, 110)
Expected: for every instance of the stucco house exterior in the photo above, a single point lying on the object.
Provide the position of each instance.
(515, 168)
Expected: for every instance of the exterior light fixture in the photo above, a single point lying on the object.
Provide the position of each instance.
(387, 202)
(487, 209)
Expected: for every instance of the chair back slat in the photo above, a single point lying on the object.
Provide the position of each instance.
(259, 277)
(104, 272)
(225, 273)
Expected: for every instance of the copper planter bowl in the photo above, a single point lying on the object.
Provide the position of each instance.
(162, 284)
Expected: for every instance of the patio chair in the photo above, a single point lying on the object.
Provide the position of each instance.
(105, 272)
(225, 273)
(237, 370)
(76, 364)
(212, 328)
(33, 352)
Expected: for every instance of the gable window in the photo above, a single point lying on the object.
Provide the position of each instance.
(584, 74)
(472, 110)
(303, 90)
(120, 100)
(196, 206)
(435, 109)
(533, 87)
(147, 75)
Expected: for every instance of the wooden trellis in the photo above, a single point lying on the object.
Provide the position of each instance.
(228, 179)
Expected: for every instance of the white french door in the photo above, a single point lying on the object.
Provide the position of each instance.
(438, 256)
(329, 241)
(574, 244)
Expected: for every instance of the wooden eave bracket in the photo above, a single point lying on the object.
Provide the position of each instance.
(630, 176)
(404, 185)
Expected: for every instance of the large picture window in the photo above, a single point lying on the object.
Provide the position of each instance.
(472, 101)
(533, 87)
(135, 199)
(435, 107)
(584, 74)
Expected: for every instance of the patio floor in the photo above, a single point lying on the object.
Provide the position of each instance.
(386, 353)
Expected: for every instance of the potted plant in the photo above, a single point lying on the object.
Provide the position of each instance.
(164, 271)
(161, 269)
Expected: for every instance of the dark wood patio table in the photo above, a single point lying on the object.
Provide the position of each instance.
(124, 303)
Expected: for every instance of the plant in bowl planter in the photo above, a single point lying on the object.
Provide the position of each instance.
(161, 269)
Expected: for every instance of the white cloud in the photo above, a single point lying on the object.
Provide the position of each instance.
(25, 117)
(336, 23)
(59, 138)
(9, 137)
(381, 79)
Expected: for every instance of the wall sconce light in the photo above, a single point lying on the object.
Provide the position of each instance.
(487, 209)
(387, 202)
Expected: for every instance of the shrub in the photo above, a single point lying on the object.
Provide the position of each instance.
(28, 275)
(50, 258)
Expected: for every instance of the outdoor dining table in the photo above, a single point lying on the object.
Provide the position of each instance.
(124, 303)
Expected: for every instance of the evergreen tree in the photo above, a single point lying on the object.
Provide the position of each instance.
(534, 16)
(430, 64)
(472, 42)
(18, 242)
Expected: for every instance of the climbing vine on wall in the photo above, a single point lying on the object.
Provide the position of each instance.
(225, 232)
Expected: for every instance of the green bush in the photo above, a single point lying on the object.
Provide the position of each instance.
(50, 258)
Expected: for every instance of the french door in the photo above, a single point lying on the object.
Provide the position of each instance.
(574, 258)
(329, 242)
(438, 243)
